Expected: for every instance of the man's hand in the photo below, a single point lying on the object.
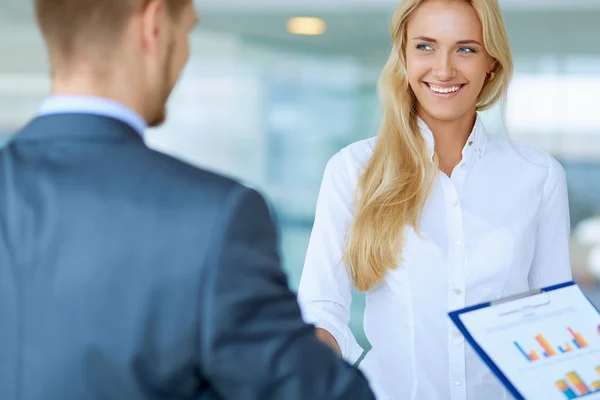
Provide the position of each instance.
(329, 340)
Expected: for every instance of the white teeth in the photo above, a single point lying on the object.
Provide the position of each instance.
(438, 89)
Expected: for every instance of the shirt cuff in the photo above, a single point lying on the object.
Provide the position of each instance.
(351, 350)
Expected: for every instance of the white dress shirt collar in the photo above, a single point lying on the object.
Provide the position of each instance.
(475, 145)
(77, 104)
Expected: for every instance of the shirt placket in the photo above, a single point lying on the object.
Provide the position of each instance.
(452, 193)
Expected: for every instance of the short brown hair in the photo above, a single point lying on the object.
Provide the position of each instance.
(67, 24)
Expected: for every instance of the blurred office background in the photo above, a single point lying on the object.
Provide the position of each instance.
(270, 107)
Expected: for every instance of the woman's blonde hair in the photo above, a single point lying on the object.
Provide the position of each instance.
(394, 186)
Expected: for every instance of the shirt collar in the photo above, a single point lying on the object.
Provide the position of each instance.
(96, 106)
(475, 145)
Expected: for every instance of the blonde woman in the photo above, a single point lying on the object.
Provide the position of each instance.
(436, 213)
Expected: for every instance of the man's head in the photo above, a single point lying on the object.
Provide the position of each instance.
(130, 50)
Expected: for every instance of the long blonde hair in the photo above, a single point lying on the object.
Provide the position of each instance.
(394, 186)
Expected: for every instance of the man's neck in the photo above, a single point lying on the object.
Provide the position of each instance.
(115, 89)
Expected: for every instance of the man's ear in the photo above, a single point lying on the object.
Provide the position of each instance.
(152, 18)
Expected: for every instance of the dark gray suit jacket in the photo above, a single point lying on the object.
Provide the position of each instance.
(126, 274)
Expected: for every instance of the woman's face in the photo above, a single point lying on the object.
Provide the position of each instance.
(446, 62)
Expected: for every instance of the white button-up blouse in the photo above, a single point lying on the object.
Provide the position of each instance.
(497, 227)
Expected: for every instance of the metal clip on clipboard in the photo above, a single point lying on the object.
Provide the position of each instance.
(533, 299)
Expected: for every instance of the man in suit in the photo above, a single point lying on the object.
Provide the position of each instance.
(124, 273)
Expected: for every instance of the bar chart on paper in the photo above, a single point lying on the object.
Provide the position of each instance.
(546, 348)
(577, 341)
(572, 386)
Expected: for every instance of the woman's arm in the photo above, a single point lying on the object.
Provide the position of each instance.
(551, 262)
(325, 292)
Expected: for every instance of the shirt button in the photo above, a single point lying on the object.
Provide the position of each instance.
(457, 334)
(457, 291)
(457, 382)
(458, 244)
(455, 204)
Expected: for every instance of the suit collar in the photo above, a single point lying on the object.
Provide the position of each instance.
(77, 126)
(95, 105)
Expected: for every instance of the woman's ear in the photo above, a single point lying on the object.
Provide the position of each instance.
(492, 67)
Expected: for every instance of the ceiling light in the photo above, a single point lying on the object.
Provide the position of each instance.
(306, 26)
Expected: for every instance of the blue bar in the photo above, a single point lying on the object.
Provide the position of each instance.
(561, 349)
(521, 350)
(545, 355)
(576, 344)
(570, 394)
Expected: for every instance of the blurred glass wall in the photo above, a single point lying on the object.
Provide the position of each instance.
(270, 108)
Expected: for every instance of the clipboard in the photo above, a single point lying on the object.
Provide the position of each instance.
(552, 334)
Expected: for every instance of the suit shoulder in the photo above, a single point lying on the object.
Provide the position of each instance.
(177, 173)
(187, 191)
